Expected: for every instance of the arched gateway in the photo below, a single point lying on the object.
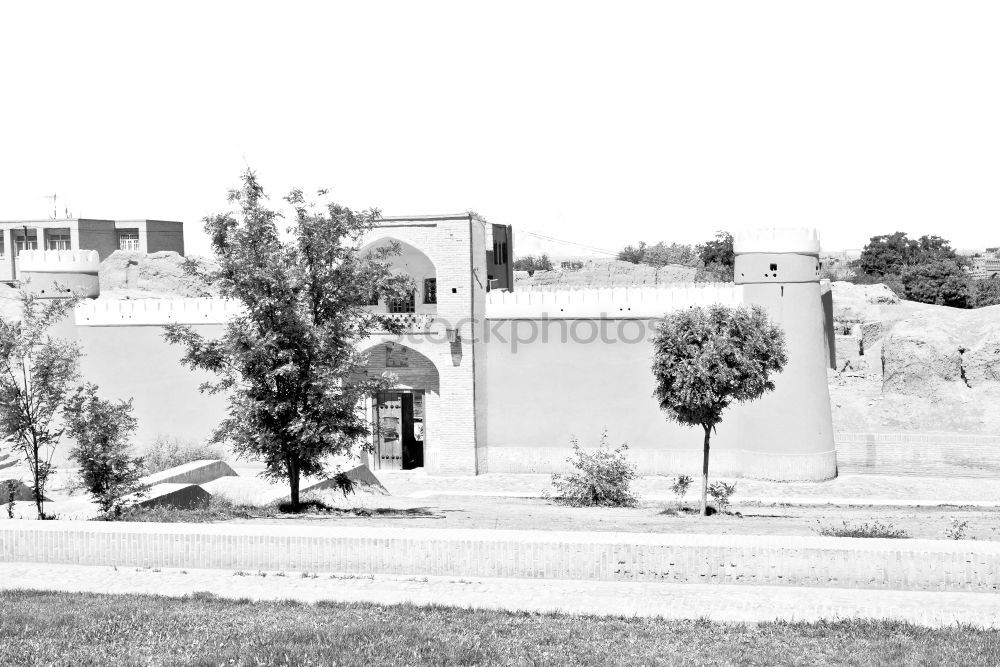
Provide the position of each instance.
(402, 419)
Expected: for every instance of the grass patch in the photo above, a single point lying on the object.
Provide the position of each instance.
(42, 628)
(216, 509)
(873, 529)
(306, 505)
(318, 506)
(220, 509)
(680, 509)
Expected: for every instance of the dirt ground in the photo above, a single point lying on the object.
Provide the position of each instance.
(746, 518)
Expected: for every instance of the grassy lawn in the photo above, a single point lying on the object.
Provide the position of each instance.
(39, 628)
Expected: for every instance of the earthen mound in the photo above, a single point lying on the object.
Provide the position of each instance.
(137, 275)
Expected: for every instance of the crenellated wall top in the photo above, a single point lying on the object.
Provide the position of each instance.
(153, 312)
(59, 261)
(777, 240)
(611, 302)
(614, 302)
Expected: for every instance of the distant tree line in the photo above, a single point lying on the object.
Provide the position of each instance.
(714, 259)
(531, 263)
(926, 269)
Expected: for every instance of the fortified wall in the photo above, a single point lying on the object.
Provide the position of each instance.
(572, 363)
(509, 378)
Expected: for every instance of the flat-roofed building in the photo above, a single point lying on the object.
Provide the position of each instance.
(104, 236)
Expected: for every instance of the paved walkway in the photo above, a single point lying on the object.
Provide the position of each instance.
(844, 490)
(728, 603)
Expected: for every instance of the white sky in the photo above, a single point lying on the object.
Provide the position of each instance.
(605, 123)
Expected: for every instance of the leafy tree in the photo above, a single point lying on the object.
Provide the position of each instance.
(37, 372)
(531, 263)
(986, 292)
(889, 254)
(662, 254)
(706, 358)
(934, 247)
(290, 362)
(942, 282)
(717, 259)
(886, 254)
(718, 251)
(714, 273)
(634, 254)
(101, 429)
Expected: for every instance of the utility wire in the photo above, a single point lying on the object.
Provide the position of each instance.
(613, 253)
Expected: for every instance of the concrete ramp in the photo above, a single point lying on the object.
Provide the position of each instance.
(22, 492)
(195, 472)
(247, 490)
(178, 496)
(8, 461)
(363, 478)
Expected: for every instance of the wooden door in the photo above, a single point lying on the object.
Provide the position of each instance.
(389, 430)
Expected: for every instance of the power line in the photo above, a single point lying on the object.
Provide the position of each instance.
(605, 251)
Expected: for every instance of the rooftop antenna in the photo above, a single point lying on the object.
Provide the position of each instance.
(55, 210)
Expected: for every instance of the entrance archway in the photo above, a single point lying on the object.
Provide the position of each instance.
(402, 419)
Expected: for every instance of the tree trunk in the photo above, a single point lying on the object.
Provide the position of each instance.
(704, 474)
(293, 482)
(38, 490)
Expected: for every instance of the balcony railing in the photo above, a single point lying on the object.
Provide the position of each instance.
(411, 322)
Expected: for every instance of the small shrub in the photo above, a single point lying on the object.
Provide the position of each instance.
(956, 531)
(601, 478)
(874, 529)
(721, 493)
(168, 451)
(680, 486)
(101, 429)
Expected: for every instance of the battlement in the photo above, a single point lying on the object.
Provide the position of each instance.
(154, 312)
(610, 302)
(59, 261)
(803, 240)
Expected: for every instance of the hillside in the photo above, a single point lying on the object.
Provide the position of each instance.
(591, 272)
(907, 366)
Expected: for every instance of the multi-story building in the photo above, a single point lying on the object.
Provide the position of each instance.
(104, 236)
(985, 265)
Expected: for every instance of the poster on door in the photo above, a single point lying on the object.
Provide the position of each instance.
(418, 416)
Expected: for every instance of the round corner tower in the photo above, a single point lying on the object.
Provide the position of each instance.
(53, 274)
(788, 433)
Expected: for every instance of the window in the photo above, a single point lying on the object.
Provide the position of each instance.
(128, 241)
(430, 290)
(404, 305)
(372, 300)
(25, 243)
(500, 252)
(57, 241)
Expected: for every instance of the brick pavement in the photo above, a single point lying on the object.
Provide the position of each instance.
(725, 603)
(916, 564)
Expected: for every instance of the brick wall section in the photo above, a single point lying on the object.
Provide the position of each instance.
(930, 565)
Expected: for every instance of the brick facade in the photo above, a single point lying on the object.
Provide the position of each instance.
(455, 245)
